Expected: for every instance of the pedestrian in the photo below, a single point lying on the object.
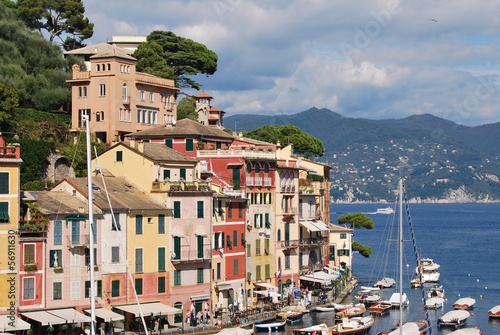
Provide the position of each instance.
(103, 328)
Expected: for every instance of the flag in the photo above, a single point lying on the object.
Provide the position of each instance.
(279, 275)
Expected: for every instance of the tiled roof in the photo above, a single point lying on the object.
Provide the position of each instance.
(203, 95)
(96, 49)
(112, 53)
(160, 152)
(215, 109)
(184, 127)
(59, 202)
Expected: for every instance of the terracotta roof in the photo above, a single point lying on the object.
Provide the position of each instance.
(336, 227)
(184, 127)
(215, 109)
(203, 95)
(96, 48)
(257, 142)
(213, 117)
(59, 202)
(160, 152)
(112, 53)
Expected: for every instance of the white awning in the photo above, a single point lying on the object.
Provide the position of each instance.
(268, 286)
(223, 286)
(309, 226)
(320, 225)
(156, 308)
(44, 318)
(70, 315)
(200, 297)
(319, 277)
(12, 323)
(105, 314)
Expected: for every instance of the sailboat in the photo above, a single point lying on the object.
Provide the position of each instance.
(421, 326)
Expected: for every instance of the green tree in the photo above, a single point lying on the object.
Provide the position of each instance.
(184, 56)
(60, 18)
(358, 220)
(186, 109)
(77, 153)
(303, 143)
(150, 60)
(9, 100)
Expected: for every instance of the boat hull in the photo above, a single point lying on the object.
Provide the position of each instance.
(269, 327)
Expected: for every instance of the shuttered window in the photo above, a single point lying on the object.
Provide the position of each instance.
(177, 209)
(161, 259)
(161, 224)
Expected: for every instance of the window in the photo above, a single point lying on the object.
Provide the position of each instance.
(343, 236)
(56, 291)
(268, 223)
(124, 93)
(168, 142)
(84, 91)
(177, 247)
(138, 224)
(257, 247)
(240, 210)
(116, 222)
(80, 92)
(189, 144)
(75, 289)
(235, 267)
(161, 259)
(98, 67)
(28, 288)
(98, 288)
(268, 271)
(235, 238)
(266, 246)
(119, 156)
(249, 250)
(151, 97)
(75, 232)
(138, 285)
(258, 220)
(230, 210)
(102, 90)
(138, 260)
(279, 262)
(166, 174)
(257, 169)
(87, 256)
(243, 241)
(287, 261)
(177, 209)
(94, 231)
(55, 258)
(115, 288)
(4, 212)
(29, 254)
(177, 277)
(257, 272)
(200, 246)
(218, 270)
(199, 275)
(161, 223)
(109, 67)
(115, 254)
(182, 174)
(279, 235)
(161, 284)
(200, 209)
(343, 252)
(143, 96)
(75, 257)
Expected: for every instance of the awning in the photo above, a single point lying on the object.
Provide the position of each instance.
(309, 226)
(12, 323)
(320, 225)
(105, 314)
(44, 318)
(155, 308)
(223, 286)
(268, 286)
(319, 277)
(70, 315)
(200, 297)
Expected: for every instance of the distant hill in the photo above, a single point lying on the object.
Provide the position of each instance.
(443, 161)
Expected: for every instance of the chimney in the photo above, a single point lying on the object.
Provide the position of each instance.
(140, 147)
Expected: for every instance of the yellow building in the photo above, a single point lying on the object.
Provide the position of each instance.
(10, 160)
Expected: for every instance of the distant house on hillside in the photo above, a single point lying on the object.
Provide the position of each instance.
(207, 114)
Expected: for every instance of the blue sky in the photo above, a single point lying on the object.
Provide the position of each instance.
(371, 59)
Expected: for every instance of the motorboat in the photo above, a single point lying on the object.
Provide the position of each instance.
(415, 283)
(435, 291)
(356, 310)
(385, 283)
(290, 316)
(464, 303)
(434, 303)
(380, 307)
(385, 210)
(494, 312)
(368, 298)
(321, 329)
(353, 326)
(409, 328)
(428, 270)
(329, 308)
(369, 288)
(454, 318)
(396, 300)
(467, 331)
(342, 307)
(269, 327)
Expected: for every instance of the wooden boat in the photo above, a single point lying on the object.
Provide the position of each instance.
(342, 307)
(435, 291)
(494, 312)
(269, 327)
(380, 307)
(409, 328)
(321, 329)
(350, 312)
(467, 331)
(464, 303)
(454, 318)
(415, 283)
(329, 308)
(368, 298)
(291, 316)
(385, 283)
(351, 326)
(434, 303)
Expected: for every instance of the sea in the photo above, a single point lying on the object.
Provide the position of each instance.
(463, 238)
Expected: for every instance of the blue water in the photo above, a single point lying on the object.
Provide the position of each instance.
(462, 238)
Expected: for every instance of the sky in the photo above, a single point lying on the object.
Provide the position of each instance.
(360, 58)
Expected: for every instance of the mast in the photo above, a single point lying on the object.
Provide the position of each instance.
(91, 228)
(400, 256)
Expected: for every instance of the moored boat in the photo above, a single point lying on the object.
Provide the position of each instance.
(396, 300)
(385, 282)
(353, 311)
(467, 331)
(269, 327)
(329, 308)
(321, 329)
(435, 291)
(369, 298)
(434, 303)
(380, 307)
(494, 312)
(454, 318)
(290, 316)
(353, 326)
(409, 328)
(464, 303)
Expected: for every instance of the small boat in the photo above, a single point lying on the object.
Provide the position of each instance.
(415, 283)
(409, 328)
(369, 288)
(385, 210)
(380, 307)
(351, 326)
(467, 331)
(350, 312)
(396, 300)
(369, 298)
(290, 316)
(455, 318)
(494, 312)
(464, 303)
(429, 270)
(321, 329)
(329, 308)
(435, 291)
(342, 307)
(434, 303)
(385, 283)
(269, 327)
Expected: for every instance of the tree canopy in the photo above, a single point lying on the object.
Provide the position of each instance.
(59, 18)
(303, 143)
(358, 220)
(178, 59)
(186, 109)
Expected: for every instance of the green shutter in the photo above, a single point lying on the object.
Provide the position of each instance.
(4, 212)
(138, 286)
(200, 209)
(235, 267)
(4, 183)
(115, 288)
(161, 259)
(200, 246)
(177, 247)
(166, 174)
(119, 156)
(236, 175)
(168, 142)
(218, 145)
(57, 232)
(268, 224)
(161, 284)
(235, 238)
(177, 209)
(266, 246)
(189, 144)
(200, 276)
(177, 277)
(182, 174)
(99, 288)
(138, 224)
(332, 253)
(268, 271)
(257, 272)
(161, 223)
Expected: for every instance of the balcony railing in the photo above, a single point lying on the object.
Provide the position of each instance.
(235, 193)
(168, 186)
(75, 241)
(290, 244)
(126, 99)
(258, 181)
(237, 153)
(268, 182)
(288, 189)
(310, 268)
(250, 181)
(315, 241)
(169, 106)
(290, 210)
(191, 255)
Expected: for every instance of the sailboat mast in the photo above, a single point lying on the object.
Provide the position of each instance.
(91, 228)
(400, 256)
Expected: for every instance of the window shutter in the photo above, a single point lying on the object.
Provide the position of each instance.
(168, 142)
(161, 259)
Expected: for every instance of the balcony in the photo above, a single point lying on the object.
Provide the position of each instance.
(288, 189)
(290, 211)
(188, 255)
(290, 244)
(314, 241)
(310, 268)
(169, 106)
(268, 182)
(258, 181)
(126, 100)
(235, 193)
(77, 241)
(168, 186)
(254, 154)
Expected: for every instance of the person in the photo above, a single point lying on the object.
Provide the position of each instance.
(216, 312)
(103, 328)
(157, 325)
(219, 323)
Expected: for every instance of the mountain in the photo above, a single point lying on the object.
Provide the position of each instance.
(443, 161)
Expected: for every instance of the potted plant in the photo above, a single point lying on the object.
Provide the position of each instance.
(58, 269)
(50, 329)
(30, 267)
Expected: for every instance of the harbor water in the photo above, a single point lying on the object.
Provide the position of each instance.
(462, 238)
